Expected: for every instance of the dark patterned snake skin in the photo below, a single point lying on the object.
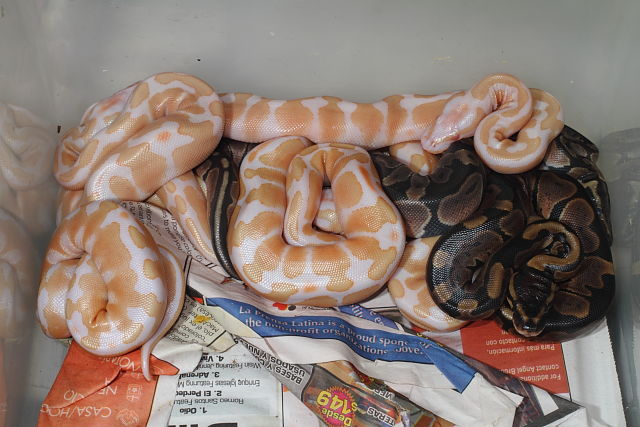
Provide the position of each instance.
(459, 273)
(531, 249)
(553, 280)
(220, 176)
(562, 281)
(434, 203)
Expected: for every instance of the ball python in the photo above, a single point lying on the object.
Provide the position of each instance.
(428, 204)
(433, 203)
(410, 293)
(139, 144)
(336, 270)
(220, 175)
(458, 274)
(552, 280)
(563, 279)
(18, 277)
(492, 110)
(27, 188)
(142, 143)
(575, 155)
(106, 283)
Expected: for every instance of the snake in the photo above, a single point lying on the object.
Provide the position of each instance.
(220, 175)
(457, 272)
(18, 277)
(106, 283)
(143, 143)
(140, 144)
(572, 153)
(549, 276)
(495, 108)
(27, 188)
(407, 286)
(427, 204)
(432, 203)
(334, 269)
(563, 281)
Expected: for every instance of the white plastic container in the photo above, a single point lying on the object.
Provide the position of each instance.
(59, 56)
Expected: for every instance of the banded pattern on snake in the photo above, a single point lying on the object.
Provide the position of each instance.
(335, 270)
(327, 247)
(492, 110)
(142, 143)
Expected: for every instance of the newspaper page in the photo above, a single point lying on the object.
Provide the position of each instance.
(254, 362)
(544, 401)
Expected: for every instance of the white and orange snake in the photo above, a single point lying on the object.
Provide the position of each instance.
(143, 142)
(139, 144)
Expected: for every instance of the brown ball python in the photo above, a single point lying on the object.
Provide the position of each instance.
(502, 251)
(553, 279)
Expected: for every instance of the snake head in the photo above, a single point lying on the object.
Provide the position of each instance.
(531, 295)
(457, 121)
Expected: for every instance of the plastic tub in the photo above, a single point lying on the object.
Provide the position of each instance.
(59, 56)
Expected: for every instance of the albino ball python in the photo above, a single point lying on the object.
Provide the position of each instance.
(494, 109)
(27, 188)
(18, 277)
(141, 141)
(107, 284)
(334, 270)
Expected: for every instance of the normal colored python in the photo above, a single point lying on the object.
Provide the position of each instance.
(550, 277)
(564, 281)
(492, 110)
(337, 270)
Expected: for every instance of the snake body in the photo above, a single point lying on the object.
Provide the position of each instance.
(338, 269)
(459, 276)
(220, 175)
(573, 154)
(303, 217)
(553, 277)
(116, 298)
(141, 143)
(492, 110)
(409, 290)
(104, 281)
(434, 203)
(562, 281)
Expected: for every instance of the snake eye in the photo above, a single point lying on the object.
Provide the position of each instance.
(527, 327)
(533, 296)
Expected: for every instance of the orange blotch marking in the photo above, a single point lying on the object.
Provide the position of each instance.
(163, 136)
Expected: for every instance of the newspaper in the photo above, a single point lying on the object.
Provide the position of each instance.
(240, 360)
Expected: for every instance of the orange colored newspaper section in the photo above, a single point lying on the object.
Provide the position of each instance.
(97, 391)
(538, 363)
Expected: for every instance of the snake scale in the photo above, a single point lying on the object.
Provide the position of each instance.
(312, 205)
(548, 275)
(473, 246)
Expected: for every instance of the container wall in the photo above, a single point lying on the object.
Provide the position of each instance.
(67, 54)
